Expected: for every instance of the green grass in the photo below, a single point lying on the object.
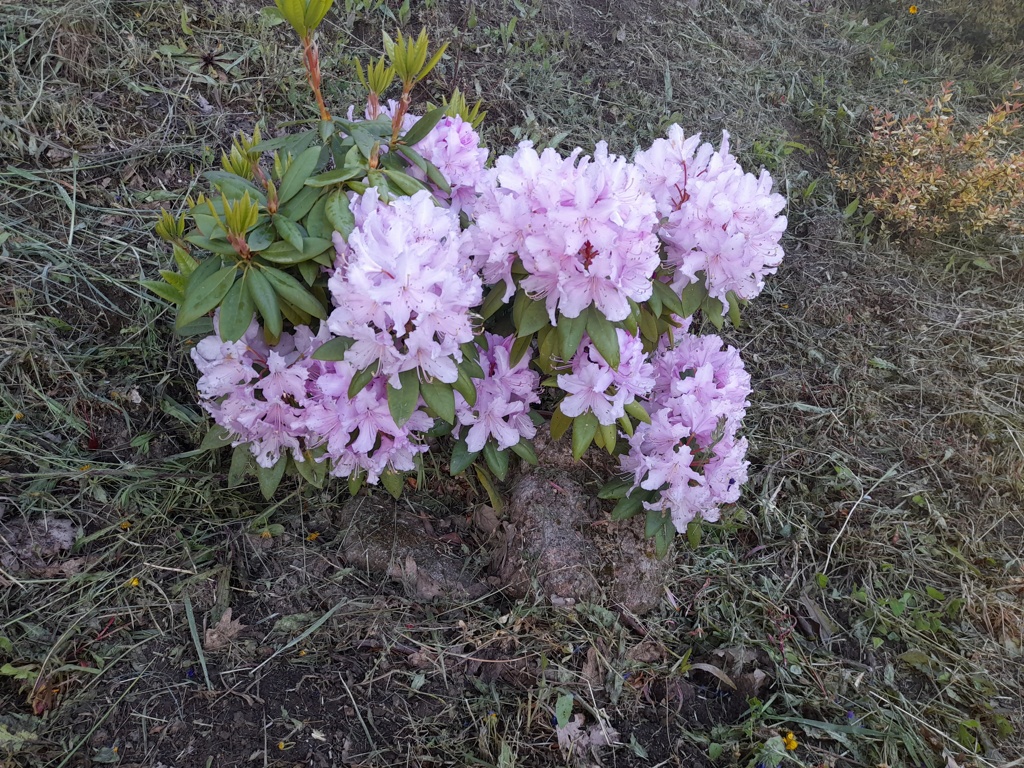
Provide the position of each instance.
(868, 595)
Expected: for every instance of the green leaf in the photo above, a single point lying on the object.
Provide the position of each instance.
(627, 507)
(294, 178)
(313, 472)
(236, 311)
(533, 318)
(164, 291)
(584, 427)
(638, 412)
(440, 398)
(570, 334)
(734, 309)
(339, 214)
(334, 349)
(266, 302)
(360, 380)
(851, 209)
(496, 460)
(669, 298)
(205, 291)
(662, 540)
(309, 270)
(394, 482)
(519, 348)
(355, 482)
(423, 126)
(217, 437)
(289, 231)
(300, 205)
(494, 300)
(492, 493)
(524, 450)
(292, 291)
(428, 168)
(241, 457)
(694, 530)
(337, 176)
(461, 458)
(270, 478)
(712, 309)
(405, 182)
(402, 402)
(464, 386)
(315, 12)
(616, 488)
(285, 253)
(656, 520)
(235, 187)
(648, 325)
(363, 139)
(560, 424)
(609, 436)
(602, 333)
(260, 237)
(317, 225)
(294, 11)
(218, 246)
(692, 297)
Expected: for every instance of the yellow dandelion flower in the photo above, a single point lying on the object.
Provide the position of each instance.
(313, 536)
(134, 581)
(266, 534)
(912, 10)
(790, 742)
(85, 468)
(126, 525)
(18, 415)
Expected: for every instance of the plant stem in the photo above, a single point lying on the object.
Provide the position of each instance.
(311, 58)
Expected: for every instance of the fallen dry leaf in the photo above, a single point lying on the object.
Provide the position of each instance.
(223, 633)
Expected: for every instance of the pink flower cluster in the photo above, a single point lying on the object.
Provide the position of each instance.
(583, 229)
(593, 385)
(503, 398)
(281, 399)
(454, 147)
(716, 219)
(690, 452)
(403, 288)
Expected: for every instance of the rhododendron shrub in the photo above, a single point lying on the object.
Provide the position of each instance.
(380, 287)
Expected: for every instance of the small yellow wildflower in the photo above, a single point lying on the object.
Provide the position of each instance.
(85, 468)
(912, 10)
(313, 536)
(281, 745)
(134, 581)
(18, 415)
(126, 525)
(790, 742)
(302, 652)
(266, 534)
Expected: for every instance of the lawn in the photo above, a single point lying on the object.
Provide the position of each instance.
(866, 595)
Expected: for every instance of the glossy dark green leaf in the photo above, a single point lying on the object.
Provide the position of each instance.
(270, 477)
(691, 298)
(626, 507)
(494, 300)
(333, 350)
(205, 291)
(393, 482)
(309, 270)
(464, 386)
(524, 450)
(316, 222)
(289, 232)
(285, 253)
(301, 204)
(241, 461)
(584, 427)
(294, 179)
(402, 402)
(164, 291)
(734, 309)
(236, 311)
(656, 520)
(337, 176)
(261, 236)
(616, 488)
(312, 472)
(440, 398)
(360, 380)
(235, 187)
(423, 126)
(339, 213)
(496, 460)
(570, 334)
(292, 291)
(461, 458)
(712, 309)
(405, 182)
(265, 299)
(533, 318)
(218, 246)
(560, 424)
(602, 333)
